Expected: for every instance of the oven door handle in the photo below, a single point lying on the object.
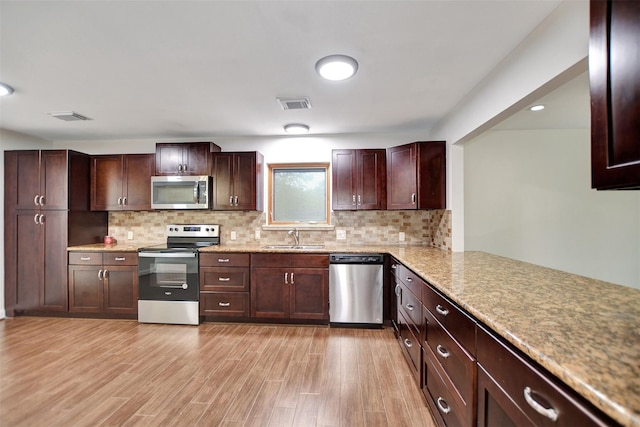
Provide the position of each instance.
(167, 254)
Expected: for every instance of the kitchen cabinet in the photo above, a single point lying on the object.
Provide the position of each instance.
(188, 158)
(416, 176)
(121, 182)
(46, 210)
(614, 66)
(103, 282)
(513, 391)
(224, 285)
(359, 179)
(290, 286)
(238, 181)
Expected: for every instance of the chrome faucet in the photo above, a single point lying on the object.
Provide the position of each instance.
(296, 235)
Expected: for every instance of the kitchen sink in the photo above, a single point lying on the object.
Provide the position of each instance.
(297, 247)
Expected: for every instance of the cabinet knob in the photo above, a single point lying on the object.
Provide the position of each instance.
(408, 343)
(442, 351)
(443, 405)
(440, 309)
(224, 304)
(223, 279)
(550, 413)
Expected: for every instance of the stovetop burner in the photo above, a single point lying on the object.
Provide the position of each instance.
(187, 238)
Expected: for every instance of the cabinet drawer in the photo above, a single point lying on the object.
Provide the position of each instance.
(458, 365)
(454, 320)
(518, 385)
(224, 279)
(120, 258)
(224, 259)
(410, 345)
(411, 308)
(224, 304)
(309, 261)
(442, 397)
(85, 258)
(410, 279)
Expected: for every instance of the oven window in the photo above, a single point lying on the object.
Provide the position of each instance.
(168, 275)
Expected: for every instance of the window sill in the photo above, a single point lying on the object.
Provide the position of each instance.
(303, 227)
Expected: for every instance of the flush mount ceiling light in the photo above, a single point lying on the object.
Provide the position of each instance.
(5, 89)
(537, 108)
(337, 67)
(296, 128)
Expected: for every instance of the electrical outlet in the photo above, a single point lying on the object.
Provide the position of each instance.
(401, 236)
(234, 235)
(129, 235)
(257, 234)
(341, 234)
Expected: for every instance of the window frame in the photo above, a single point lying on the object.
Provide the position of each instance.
(326, 167)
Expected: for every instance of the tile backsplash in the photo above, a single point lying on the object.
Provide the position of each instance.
(432, 227)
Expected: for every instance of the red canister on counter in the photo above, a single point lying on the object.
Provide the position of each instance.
(109, 240)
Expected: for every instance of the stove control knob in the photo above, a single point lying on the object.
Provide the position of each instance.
(185, 286)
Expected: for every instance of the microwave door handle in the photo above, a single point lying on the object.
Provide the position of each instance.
(196, 195)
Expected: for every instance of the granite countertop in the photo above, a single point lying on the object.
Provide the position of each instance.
(584, 331)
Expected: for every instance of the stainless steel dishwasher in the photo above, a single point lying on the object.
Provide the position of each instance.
(356, 289)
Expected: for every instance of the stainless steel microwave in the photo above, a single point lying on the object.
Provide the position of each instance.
(181, 192)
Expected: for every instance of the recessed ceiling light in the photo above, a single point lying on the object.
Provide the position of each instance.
(337, 67)
(537, 108)
(296, 128)
(5, 89)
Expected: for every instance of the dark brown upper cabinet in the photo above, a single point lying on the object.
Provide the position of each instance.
(614, 67)
(417, 176)
(189, 158)
(237, 181)
(121, 182)
(359, 179)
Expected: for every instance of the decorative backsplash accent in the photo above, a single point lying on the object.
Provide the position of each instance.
(431, 227)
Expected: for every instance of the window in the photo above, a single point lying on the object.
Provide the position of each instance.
(298, 193)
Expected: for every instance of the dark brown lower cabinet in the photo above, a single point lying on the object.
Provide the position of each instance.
(290, 286)
(224, 285)
(512, 391)
(103, 282)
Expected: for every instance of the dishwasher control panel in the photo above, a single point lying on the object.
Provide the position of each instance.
(356, 258)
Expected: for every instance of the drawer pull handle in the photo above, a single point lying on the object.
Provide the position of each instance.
(440, 309)
(223, 259)
(394, 266)
(443, 405)
(398, 290)
(223, 279)
(409, 279)
(120, 258)
(408, 343)
(409, 307)
(224, 304)
(442, 352)
(85, 258)
(550, 413)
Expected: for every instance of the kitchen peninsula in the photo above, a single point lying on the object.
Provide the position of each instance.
(583, 331)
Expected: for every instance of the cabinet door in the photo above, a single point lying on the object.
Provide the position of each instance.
(106, 182)
(343, 180)
(22, 178)
(269, 293)
(138, 169)
(244, 181)
(309, 288)
(197, 158)
(372, 179)
(222, 181)
(28, 260)
(54, 281)
(53, 179)
(614, 65)
(85, 288)
(401, 177)
(168, 159)
(120, 289)
(431, 174)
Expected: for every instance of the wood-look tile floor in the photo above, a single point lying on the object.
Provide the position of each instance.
(87, 372)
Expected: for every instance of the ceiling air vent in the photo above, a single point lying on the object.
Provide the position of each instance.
(68, 116)
(295, 103)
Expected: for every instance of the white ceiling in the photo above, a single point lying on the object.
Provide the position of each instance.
(188, 69)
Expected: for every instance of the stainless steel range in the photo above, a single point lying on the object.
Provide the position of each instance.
(168, 282)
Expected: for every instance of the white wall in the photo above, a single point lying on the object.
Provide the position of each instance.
(11, 141)
(528, 196)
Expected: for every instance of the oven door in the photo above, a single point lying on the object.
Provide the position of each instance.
(168, 276)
